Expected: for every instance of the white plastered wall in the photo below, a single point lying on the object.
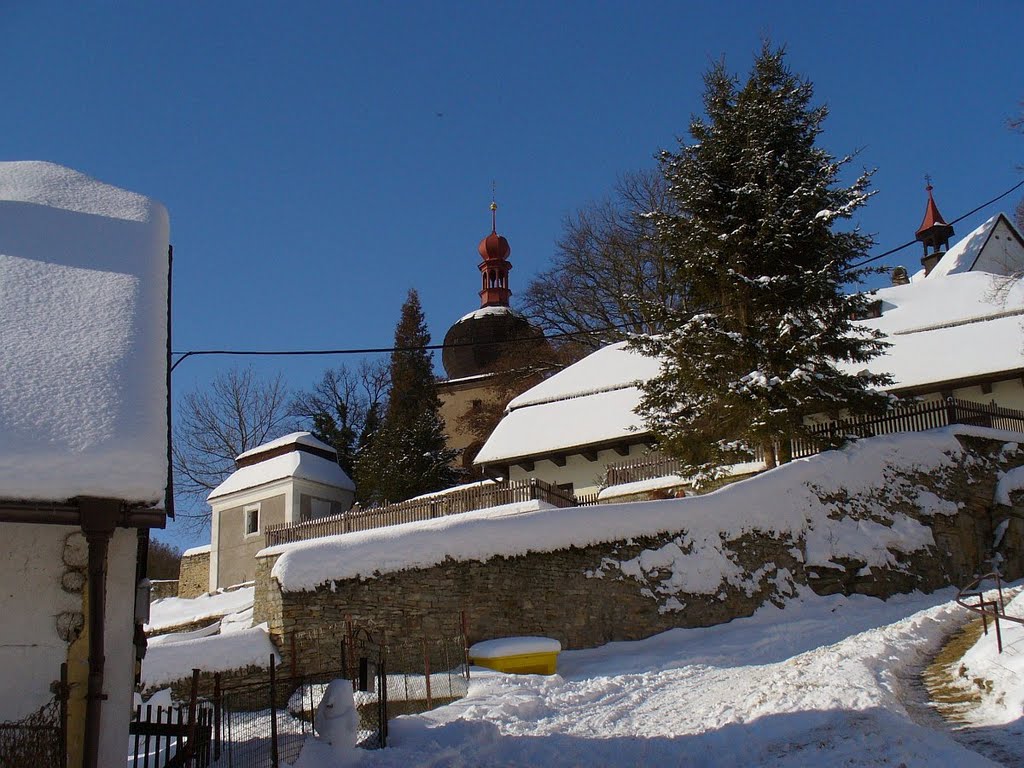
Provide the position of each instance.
(31, 599)
(585, 475)
(119, 674)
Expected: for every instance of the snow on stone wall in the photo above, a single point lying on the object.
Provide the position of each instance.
(884, 516)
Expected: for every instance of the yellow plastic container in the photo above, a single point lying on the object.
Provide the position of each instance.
(517, 655)
(521, 664)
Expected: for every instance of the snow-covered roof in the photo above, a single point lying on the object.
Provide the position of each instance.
(83, 329)
(965, 325)
(295, 464)
(997, 239)
(589, 402)
(962, 326)
(560, 425)
(485, 311)
(294, 438)
(612, 367)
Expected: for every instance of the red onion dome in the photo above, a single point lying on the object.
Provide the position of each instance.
(493, 247)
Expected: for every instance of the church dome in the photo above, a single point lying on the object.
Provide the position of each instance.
(493, 247)
(476, 341)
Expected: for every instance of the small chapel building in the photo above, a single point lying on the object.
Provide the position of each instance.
(289, 480)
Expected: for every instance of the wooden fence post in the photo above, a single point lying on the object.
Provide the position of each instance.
(273, 712)
(216, 716)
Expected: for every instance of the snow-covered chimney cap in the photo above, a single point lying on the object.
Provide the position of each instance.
(295, 441)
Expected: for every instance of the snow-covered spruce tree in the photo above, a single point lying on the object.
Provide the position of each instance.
(407, 455)
(757, 254)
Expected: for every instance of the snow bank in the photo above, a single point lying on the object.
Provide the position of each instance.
(641, 486)
(784, 501)
(170, 661)
(174, 611)
(83, 328)
(815, 684)
(1011, 482)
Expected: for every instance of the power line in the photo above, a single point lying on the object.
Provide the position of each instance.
(890, 252)
(561, 335)
(378, 350)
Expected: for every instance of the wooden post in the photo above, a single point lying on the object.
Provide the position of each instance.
(426, 672)
(465, 640)
(190, 748)
(216, 716)
(64, 693)
(273, 712)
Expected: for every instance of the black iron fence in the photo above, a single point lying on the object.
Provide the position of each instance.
(479, 496)
(913, 417)
(41, 738)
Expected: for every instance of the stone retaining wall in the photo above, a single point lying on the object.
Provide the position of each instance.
(194, 575)
(161, 588)
(585, 597)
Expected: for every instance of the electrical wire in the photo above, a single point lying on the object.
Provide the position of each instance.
(890, 252)
(562, 335)
(378, 350)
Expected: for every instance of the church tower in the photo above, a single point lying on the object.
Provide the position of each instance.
(934, 233)
(487, 354)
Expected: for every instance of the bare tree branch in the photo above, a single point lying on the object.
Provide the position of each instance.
(609, 267)
(238, 412)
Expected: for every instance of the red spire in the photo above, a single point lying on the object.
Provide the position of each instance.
(494, 250)
(933, 234)
(932, 217)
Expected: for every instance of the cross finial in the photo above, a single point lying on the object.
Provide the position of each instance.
(494, 208)
(928, 181)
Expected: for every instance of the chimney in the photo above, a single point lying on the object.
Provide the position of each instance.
(900, 276)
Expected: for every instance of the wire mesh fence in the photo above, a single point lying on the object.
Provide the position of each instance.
(265, 723)
(34, 741)
(39, 739)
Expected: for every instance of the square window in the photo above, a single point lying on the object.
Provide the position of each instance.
(319, 508)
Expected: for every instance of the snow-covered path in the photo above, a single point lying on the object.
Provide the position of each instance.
(815, 684)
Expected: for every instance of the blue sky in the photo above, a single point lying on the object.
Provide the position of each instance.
(320, 159)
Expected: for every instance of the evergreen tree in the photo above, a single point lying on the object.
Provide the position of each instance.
(755, 251)
(407, 454)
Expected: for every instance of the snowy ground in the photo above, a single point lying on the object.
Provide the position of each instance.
(821, 682)
(170, 612)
